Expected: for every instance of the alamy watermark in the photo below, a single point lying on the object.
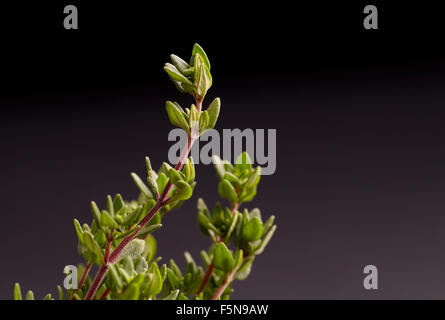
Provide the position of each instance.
(70, 281)
(232, 143)
(371, 280)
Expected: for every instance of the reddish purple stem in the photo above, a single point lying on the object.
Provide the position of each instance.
(114, 256)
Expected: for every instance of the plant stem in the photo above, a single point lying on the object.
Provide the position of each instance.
(229, 277)
(235, 207)
(159, 204)
(84, 276)
(104, 294)
(224, 285)
(209, 270)
(114, 256)
(198, 103)
(97, 281)
(107, 247)
(206, 278)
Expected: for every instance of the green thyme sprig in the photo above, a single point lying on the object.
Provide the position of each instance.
(119, 240)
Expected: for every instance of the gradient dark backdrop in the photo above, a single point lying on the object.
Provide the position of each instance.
(359, 118)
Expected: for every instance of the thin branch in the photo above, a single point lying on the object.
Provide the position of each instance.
(84, 276)
(159, 204)
(104, 294)
(114, 256)
(210, 268)
(206, 278)
(224, 285)
(107, 247)
(235, 207)
(198, 103)
(97, 281)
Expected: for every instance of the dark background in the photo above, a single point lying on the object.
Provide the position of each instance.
(359, 117)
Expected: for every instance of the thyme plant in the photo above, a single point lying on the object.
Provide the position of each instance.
(119, 240)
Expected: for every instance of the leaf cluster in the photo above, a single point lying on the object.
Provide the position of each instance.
(137, 273)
